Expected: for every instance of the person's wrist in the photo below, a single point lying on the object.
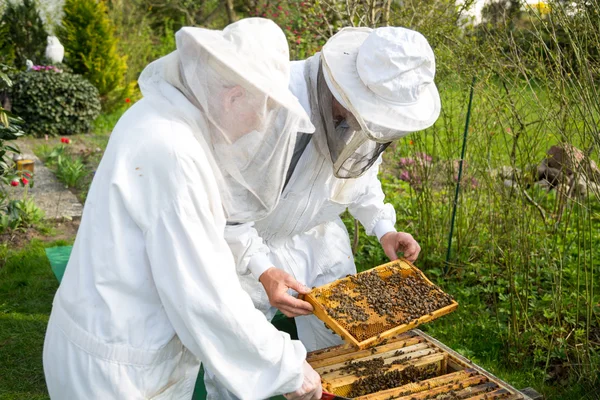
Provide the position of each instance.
(267, 274)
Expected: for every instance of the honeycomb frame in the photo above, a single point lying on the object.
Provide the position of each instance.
(375, 329)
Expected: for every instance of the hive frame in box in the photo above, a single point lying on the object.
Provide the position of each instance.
(405, 266)
(454, 371)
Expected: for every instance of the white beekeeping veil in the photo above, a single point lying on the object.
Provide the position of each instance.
(238, 78)
(384, 78)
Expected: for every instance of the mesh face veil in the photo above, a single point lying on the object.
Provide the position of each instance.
(383, 78)
(250, 121)
(351, 149)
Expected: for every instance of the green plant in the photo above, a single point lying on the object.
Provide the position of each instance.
(10, 130)
(70, 171)
(54, 103)
(88, 36)
(25, 32)
(20, 214)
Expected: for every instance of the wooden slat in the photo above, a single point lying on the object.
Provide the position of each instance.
(428, 394)
(496, 394)
(366, 355)
(476, 390)
(361, 354)
(420, 386)
(338, 369)
(420, 362)
(347, 348)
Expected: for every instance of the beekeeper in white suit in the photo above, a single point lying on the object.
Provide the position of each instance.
(151, 289)
(365, 89)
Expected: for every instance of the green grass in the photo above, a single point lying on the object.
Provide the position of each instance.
(27, 287)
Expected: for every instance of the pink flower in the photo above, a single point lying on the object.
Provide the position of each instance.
(406, 161)
(405, 176)
(424, 157)
(298, 41)
(279, 8)
(14, 183)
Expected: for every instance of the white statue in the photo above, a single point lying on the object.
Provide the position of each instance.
(29, 65)
(54, 51)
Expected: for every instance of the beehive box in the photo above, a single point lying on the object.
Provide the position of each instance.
(413, 365)
(371, 306)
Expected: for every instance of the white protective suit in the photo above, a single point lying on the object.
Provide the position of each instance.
(305, 235)
(151, 290)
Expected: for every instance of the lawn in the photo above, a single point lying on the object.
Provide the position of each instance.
(27, 287)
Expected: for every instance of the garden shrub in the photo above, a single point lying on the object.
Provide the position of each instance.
(54, 103)
(25, 33)
(88, 36)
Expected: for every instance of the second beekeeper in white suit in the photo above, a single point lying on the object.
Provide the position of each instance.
(367, 88)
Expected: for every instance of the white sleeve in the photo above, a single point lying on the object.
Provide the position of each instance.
(195, 276)
(250, 253)
(377, 217)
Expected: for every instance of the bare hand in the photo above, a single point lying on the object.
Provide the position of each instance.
(311, 386)
(393, 242)
(276, 283)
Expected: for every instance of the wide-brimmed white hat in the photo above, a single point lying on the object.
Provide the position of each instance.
(256, 50)
(386, 74)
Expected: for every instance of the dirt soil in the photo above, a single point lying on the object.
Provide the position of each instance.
(60, 230)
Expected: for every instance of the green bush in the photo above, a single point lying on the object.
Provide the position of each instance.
(88, 36)
(10, 130)
(54, 103)
(25, 34)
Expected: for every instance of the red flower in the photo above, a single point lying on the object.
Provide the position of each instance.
(411, 142)
(14, 183)
(279, 8)
(24, 181)
(65, 140)
(27, 174)
(128, 100)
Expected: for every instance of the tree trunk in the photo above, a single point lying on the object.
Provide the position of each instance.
(230, 11)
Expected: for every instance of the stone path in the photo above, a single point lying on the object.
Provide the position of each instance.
(50, 195)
